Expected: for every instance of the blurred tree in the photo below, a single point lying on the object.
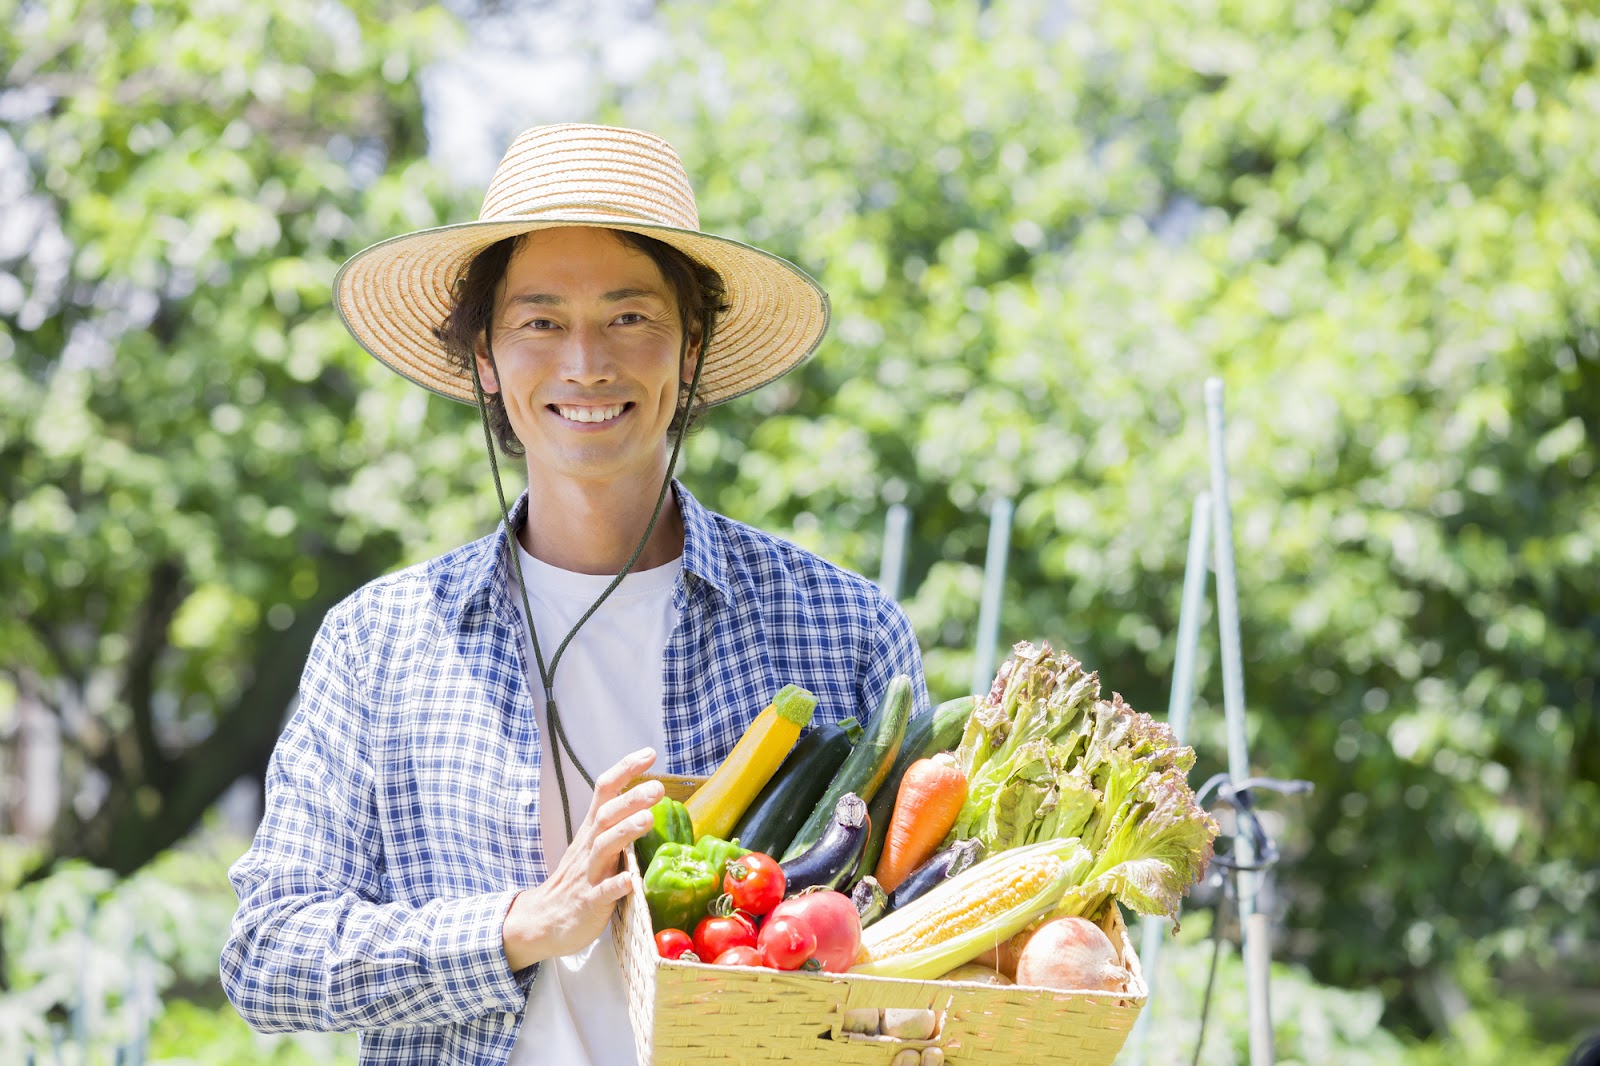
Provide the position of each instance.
(1043, 225)
(195, 461)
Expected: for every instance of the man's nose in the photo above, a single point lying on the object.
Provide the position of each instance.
(586, 358)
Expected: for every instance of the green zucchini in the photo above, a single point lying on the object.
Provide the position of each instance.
(769, 823)
(926, 734)
(868, 765)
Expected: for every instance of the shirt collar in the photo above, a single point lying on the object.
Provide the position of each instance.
(704, 548)
(705, 553)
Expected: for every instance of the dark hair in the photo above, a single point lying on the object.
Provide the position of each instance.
(699, 290)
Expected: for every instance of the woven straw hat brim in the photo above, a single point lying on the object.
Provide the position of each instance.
(393, 295)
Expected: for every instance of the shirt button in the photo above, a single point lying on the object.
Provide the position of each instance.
(525, 797)
(510, 1019)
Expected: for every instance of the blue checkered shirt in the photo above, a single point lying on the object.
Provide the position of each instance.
(393, 841)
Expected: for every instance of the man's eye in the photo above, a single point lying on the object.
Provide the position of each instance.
(541, 323)
(628, 318)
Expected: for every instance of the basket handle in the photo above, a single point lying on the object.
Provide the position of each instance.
(938, 1025)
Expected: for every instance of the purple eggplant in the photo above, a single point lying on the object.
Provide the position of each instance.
(831, 862)
(946, 864)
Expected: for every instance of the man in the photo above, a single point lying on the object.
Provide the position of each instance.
(433, 867)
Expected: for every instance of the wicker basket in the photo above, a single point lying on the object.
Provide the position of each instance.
(691, 1013)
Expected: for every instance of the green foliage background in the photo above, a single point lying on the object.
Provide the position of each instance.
(1378, 224)
(1042, 228)
(194, 462)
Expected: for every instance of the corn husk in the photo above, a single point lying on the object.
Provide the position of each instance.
(1068, 862)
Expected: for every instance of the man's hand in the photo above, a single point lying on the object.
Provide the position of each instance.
(570, 909)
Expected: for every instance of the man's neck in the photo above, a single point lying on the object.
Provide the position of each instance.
(591, 528)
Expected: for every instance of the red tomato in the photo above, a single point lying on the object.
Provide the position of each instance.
(675, 944)
(833, 919)
(716, 934)
(743, 955)
(755, 881)
(786, 942)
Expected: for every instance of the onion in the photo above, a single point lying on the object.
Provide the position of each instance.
(1071, 954)
(974, 973)
(1003, 957)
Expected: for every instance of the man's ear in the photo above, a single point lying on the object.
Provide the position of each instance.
(690, 357)
(486, 374)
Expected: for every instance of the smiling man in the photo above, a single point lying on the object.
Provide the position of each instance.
(447, 808)
(587, 339)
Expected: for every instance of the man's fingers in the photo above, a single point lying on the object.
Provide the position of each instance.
(610, 804)
(640, 797)
(608, 845)
(614, 887)
(610, 783)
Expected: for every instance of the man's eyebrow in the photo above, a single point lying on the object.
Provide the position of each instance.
(629, 294)
(545, 299)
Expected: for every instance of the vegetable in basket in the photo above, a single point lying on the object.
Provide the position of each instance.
(866, 768)
(754, 882)
(1150, 850)
(675, 944)
(927, 735)
(978, 974)
(721, 930)
(956, 921)
(770, 822)
(871, 901)
(682, 881)
(1045, 757)
(786, 942)
(956, 859)
(832, 918)
(1071, 954)
(743, 955)
(930, 798)
(722, 798)
(671, 822)
(836, 856)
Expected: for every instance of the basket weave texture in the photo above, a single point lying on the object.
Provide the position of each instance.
(690, 1013)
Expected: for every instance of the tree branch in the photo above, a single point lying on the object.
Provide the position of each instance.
(161, 603)
(50, 640)
(241, 743)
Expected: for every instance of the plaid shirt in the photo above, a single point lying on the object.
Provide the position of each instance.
(402, 798)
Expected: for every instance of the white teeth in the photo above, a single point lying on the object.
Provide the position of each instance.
(590, 414)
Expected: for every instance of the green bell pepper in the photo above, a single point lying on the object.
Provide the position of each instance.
(718, 853)
(682, 881)
(671, 824)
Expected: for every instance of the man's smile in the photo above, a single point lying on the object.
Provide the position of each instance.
(590, 415)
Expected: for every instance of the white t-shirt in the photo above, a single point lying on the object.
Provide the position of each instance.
(608, 690)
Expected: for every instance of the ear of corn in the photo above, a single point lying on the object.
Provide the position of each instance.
(720, 801)
(972, 912)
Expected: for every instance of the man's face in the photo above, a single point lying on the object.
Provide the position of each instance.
(586, 345)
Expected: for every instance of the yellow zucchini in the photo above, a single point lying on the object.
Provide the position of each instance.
(719, 803)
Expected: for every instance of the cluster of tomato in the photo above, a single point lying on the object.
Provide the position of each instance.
(752, 924)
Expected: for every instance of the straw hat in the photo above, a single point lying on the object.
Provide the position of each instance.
(393, 294)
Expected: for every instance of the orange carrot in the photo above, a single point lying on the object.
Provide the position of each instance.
(930, 798)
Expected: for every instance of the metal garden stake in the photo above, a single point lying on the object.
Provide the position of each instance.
(1255, 930)
(994, 583)
(1178, 705)
(896, 532)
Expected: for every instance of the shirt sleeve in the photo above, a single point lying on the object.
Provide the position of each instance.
(315, 943)
(892, 651)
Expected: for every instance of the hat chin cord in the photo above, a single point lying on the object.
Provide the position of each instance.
(547, 675)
